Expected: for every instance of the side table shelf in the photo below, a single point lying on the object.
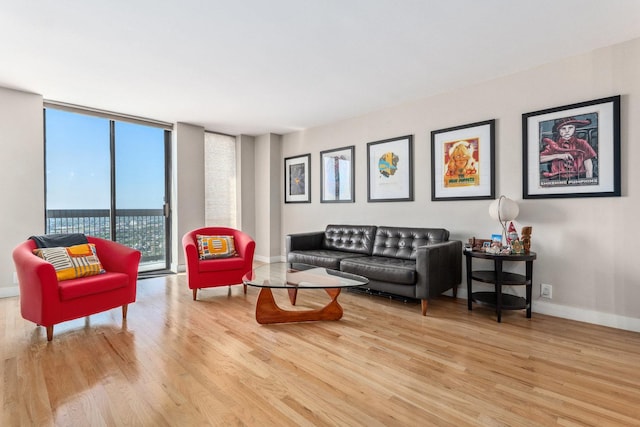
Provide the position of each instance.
(509, 302)
(500, 301)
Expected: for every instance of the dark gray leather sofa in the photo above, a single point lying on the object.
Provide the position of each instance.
(410, 262)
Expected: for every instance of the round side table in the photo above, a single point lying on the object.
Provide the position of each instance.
(500, 278)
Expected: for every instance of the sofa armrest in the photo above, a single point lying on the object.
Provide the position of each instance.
(245, 247)
(304, 241)
(191, 256)
(38, 283)
(117, 257)
(439, 268)
(35, 275)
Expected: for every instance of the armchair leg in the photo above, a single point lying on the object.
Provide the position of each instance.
(424, 306)
(244, 287)
(195, 292)
(49, 333)
(455, 291)
(124, 311)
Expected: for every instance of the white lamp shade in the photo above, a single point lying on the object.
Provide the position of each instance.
(504, 209)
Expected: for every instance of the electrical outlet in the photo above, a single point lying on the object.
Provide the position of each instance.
(546, 290)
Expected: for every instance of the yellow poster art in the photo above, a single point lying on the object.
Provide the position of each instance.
(461, 163)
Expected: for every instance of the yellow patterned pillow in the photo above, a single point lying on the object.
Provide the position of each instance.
(73, 261)
(210, 247)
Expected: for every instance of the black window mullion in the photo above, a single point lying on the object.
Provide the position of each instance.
(112, 161)
(167, 197)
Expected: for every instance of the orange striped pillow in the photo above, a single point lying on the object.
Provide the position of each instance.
(210, 247)
(73, 261)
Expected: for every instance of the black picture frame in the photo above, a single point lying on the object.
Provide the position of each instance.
(390, 170)
(473, 176)
(572, 150)
(337, 175)
(297, 179)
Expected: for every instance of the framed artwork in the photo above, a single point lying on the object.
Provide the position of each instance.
(337, 175)
(390, 170)
(297, 177)
(463, 162)
(572, 151)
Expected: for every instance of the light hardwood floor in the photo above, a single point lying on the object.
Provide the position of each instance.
(179, 362)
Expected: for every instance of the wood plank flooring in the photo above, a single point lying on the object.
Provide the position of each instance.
(179, 362)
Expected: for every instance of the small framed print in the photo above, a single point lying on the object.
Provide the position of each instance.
(337, 175)
(462, 162)
(297, 177)
(390, 170)
(572, 151)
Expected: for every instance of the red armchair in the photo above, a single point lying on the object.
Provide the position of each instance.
(46, 302)
(220, 271)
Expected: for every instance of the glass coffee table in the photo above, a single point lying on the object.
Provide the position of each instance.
(293, 277)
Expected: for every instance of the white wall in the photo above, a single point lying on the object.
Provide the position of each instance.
(245, 161)
(268, 157)
(21, 175)
(188, 211)
(586, 246)
(275, 199)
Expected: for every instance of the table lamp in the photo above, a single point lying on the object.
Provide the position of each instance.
(504, 210)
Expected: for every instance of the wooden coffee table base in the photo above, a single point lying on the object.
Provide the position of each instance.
(267, 311)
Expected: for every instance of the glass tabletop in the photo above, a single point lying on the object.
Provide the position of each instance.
(301, 276)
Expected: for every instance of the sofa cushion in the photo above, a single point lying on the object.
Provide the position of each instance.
(83, 286)
(402, 242)
(384, 269)
(349, 238)
(221, 264)
(321, 257)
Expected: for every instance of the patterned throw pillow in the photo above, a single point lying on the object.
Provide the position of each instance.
(210, 247)
(73, 261)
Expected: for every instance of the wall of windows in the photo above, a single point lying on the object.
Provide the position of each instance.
(108, 178)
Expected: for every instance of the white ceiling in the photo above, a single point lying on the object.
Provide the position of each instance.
(260, 66)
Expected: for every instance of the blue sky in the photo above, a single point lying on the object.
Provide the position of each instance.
(78, 163)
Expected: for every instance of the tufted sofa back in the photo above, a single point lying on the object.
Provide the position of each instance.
(350, 238)
(402, 242)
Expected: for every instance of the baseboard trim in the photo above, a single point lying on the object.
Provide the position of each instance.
(9, 291)
(269, 260)
(574, 313)
(588, 316)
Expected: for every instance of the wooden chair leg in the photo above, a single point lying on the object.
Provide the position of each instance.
(124, 311)
(244, 286)
(424, 307)
(49, 333)
(195, 293)
(455, 291)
